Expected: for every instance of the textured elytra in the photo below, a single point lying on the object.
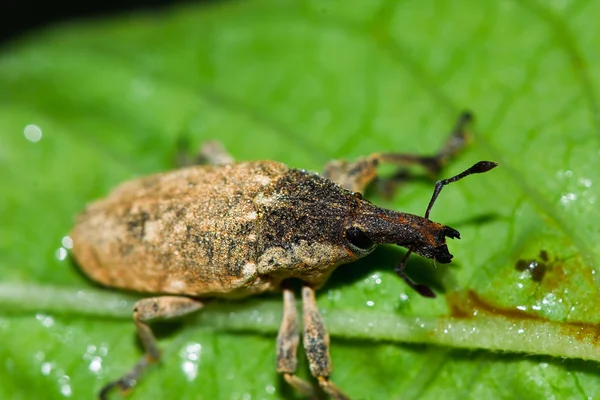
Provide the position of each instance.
(235, 230)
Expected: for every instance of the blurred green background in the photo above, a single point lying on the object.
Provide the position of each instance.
(87, 105)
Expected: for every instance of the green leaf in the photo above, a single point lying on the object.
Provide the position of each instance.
(304, 82)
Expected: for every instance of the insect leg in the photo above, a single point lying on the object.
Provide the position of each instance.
(316, 344)
(287, 345)
(423, 290)
(454, 144)
(355, 176)
(211, 152)
(144, 311)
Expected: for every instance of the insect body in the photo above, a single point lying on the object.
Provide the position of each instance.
(235, 230)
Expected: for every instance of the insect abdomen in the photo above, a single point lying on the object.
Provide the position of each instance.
(192, 231)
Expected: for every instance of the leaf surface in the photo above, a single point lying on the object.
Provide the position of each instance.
(302, 83)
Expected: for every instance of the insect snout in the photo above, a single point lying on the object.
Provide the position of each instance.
(435, 246)
(441, 253)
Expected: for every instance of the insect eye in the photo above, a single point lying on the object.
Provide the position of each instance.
(358, 238)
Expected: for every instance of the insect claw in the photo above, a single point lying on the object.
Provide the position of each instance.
(425, 291)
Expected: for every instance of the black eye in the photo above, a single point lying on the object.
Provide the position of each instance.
(358, 238)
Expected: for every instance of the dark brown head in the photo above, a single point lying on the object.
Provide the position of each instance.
(370, 225)
(310, 225)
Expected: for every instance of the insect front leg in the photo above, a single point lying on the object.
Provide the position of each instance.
(356, 176)
(316, 344)
(144, 311)
(287, 345)
(211, 152)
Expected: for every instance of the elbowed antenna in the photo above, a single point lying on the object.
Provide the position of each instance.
(478, 168)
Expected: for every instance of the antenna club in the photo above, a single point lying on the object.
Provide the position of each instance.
(483, 166)
(477, 168)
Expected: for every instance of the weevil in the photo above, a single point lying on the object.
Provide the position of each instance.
(231, 231)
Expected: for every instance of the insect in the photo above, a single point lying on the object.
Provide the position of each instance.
(232, 230)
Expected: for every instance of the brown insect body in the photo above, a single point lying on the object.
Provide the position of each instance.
(237, 230)
(233, 230)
